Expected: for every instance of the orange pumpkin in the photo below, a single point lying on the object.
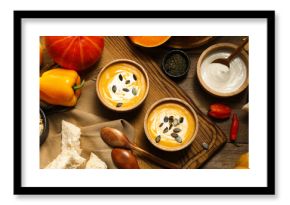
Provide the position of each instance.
(149, 41)
(75, 52)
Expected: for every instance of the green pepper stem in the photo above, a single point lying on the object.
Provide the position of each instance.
(235, 143)
(76, 87)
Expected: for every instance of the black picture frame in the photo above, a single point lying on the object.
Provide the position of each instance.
(268, 190)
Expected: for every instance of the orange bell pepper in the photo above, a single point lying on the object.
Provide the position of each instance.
(243, 162)
(60, 87)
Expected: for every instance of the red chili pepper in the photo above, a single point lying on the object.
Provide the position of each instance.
(219, 111)
(234, 129)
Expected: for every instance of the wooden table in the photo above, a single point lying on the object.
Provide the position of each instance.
(229, 154)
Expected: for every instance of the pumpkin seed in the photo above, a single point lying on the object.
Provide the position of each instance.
(114, 88)
(175, 122)
(205, 146)
(165, 119)
(121, 77)
(127, 82)
(134, 91)
(157, 139)
(165, 130)
(134, 76)
(119, 104)
(174, 135)
(176, 130)
(170, 126)
(178, 139)
(171, 118)
(126, 89)
(181, 120)
(161, 124)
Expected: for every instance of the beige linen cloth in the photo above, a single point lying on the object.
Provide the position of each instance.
(83, 116)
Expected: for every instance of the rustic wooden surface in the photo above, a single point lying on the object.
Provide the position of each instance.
(228, 154)
(188, 42)
(160, 87)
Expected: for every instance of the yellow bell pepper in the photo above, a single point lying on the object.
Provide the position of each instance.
(243, 162)
(60, 87)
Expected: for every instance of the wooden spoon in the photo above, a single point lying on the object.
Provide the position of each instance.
(124, 159)
(226, 61)
(116, 138)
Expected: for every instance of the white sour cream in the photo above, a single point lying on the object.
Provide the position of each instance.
(158, 125)
(219, 77)
(119, 95)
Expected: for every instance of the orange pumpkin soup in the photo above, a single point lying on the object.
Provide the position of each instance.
(149, 41)
(170, 125)
(122, 86)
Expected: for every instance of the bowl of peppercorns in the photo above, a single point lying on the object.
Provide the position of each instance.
(176, 64)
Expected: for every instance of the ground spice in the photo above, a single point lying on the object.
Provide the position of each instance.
(176, 64)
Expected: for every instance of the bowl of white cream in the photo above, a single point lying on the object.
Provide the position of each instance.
(219, 79)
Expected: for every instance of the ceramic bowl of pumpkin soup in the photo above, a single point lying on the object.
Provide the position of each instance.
(122, 85)
(171, 124)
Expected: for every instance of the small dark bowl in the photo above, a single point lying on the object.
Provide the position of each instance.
(44, 133)
(184, 55)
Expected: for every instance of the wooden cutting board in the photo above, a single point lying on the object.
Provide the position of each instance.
(160, 87)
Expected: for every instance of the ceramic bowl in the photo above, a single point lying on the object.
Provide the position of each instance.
(43, 135)
(170, 144)
(167, 72)
(222, 47)
(106, 100)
